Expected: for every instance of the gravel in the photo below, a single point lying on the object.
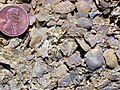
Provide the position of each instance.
(69, 45)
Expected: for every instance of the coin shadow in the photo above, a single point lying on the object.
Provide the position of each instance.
(22, 36)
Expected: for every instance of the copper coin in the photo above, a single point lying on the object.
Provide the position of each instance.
(14, 20)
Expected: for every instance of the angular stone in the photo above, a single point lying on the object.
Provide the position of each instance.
(68, 47)
(83, 7)
(64, 7)
(110, 57)
(83, 44)
(37, 36)
(43, 16)
(61, 71)
(90, 38)
(43, 50)
(84, 22)
(65, 80)
(74, 60)
(32, 19)
(13, 43)
(94, 58)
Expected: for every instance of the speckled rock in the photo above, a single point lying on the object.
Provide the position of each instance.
(94, 58)
(83, 7)
(110, 57)
(64, 7)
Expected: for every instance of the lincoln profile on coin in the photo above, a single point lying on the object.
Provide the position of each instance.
(13, 19)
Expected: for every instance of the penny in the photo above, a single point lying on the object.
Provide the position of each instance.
(14, 20)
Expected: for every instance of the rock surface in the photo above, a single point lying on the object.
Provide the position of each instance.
(69, 45)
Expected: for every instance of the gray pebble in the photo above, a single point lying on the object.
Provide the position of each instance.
(94, 58)
(84, 22)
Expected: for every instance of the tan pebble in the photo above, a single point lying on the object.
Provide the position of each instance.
(110, 57)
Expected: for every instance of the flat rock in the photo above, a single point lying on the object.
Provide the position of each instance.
(83, 44)
(90, 38)
(94, 58)
(110, 57)
(32, 19)
(65, 80)
(37, 36)
(83, 7)
(68, 47)
(84, 22)
(74, 60)
(64, 7)
(61, 70)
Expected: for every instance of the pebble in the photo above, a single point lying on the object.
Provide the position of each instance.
(83, 8)
(84, 22)
(32, 19)
(110, 57)
(94, 58)
(65, 80)
(39, 69)
(83, 44)
(43, 50)
(43, 16)
(64, 7)
(68, 47)
(14, 43)
(37, 35)
(74, 60)
(61, 70)
(89, 37)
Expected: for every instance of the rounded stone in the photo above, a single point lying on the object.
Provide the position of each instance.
(94, 58)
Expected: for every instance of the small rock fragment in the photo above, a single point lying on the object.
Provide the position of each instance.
(14, 43)
(84, 22)
(74, 60)
(94, 58)
(68, 47)
(61, 71)
(32, 19)
(90, 38)
(83, 7)
(37, 35)
(43, 50)
(110, 57)
(65, 80)
(83, 44)
(64, 7)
